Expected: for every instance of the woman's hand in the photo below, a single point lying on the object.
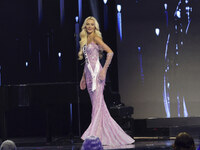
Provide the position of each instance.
(102, 74)
(82, 83)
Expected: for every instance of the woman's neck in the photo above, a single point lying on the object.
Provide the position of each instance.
(90, 37)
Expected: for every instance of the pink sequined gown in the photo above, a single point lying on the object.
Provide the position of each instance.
(102, 124)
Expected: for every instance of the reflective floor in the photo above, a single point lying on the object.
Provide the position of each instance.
(65, 144)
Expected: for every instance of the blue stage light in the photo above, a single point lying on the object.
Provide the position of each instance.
(176, 27)
(186, 31)
(139, 49)
(119, 20)
(178, 13)
(62, 12)
(166, 99)
(178, 106)
(167, 67)
(77, 32)
(80, 10)
(185, 112)
(39, 11)
(165, 5)
(187, 8)
(105, 1)
(26, 63)
(59, 54)
(176, 46)
(76, 18)
(157, 31)
(59, 61)
(166, 47)
(168, 85)
(119, 7)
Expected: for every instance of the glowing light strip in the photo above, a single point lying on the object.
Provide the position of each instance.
(178, 106)
(141, 68)
(71, 115)
(80, 10)
(186, 31)
(166, 47)
(39, 11)
(166, 99)
(119, 22)
(177, 7)
(166, 13)
(77, 33)
(59, 61)
(62, 11)
(185, 112)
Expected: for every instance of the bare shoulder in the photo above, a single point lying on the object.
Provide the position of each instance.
(104, 46)
(98, 40)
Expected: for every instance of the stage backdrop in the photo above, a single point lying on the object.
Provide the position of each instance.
(38, 46)
(159, 57)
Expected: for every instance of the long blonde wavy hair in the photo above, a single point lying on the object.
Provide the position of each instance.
(83, 35)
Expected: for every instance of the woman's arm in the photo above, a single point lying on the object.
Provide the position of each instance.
(99, 41)
(83, 82)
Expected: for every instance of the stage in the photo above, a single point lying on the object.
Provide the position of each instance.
(141, 143)
(167, 127)
(151, 133)
(154, 73)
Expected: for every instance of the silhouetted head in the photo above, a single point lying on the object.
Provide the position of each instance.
(184, 142)
(8, 145)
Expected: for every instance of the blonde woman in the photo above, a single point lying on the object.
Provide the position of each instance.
(102, 124)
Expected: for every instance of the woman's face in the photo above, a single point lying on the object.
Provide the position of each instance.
(90, 27)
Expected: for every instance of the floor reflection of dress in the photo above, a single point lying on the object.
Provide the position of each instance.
(102, 124)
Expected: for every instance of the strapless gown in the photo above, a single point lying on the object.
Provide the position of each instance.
(102, 124)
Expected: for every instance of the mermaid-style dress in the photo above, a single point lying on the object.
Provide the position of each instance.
(102, 124)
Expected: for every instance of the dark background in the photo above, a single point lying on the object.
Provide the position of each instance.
(23, 37)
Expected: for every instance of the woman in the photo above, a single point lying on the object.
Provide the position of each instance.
(102, 124)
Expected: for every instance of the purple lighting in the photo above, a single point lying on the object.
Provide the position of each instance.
(62, 12)
(119, 21)
(39, 11)
(80, 10)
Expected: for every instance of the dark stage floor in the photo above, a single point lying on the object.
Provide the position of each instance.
(141, 143)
